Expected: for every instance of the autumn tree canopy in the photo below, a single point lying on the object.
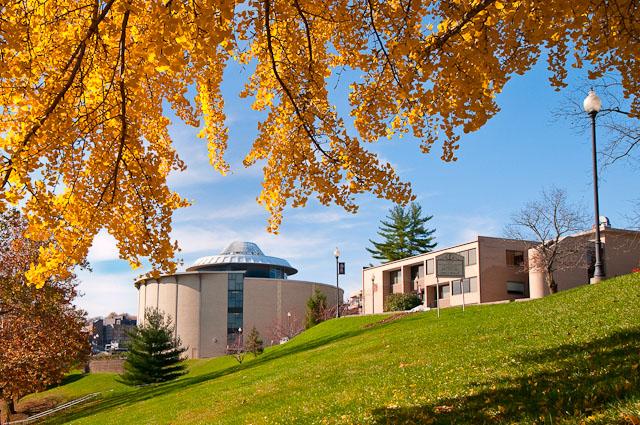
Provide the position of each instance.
(41, 332)
(84, 143)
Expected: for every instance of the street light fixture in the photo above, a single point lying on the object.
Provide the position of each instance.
(336, 253)
(592, 105)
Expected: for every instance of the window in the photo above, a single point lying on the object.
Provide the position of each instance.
(394, 277)
(456, 287)
(276, 273)
(430, 266)
(473, 284)
(417, 272)
(469, 256)
(235, 298)
(515, 258)
(469, 284)
(515, 288)
(444, 291)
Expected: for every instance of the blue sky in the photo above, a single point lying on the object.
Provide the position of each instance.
(522, 150)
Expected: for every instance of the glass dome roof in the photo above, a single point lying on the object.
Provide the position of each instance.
(241, 253)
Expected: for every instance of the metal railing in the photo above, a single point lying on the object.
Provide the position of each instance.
(54, 410)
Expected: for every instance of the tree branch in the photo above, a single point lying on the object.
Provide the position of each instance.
(78, 56)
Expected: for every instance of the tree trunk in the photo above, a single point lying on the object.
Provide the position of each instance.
(12, 405)
(4, 411)
(551, 282)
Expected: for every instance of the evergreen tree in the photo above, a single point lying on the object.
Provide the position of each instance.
(316, 309)
(254, 342)
(155, 355)
(404, 234)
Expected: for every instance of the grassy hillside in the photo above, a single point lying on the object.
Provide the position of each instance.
(569, 358)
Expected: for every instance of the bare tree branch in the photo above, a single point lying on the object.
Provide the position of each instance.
(550, 221)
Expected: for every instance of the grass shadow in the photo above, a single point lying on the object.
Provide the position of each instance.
(570, 380)
(72, 377)
(144, 393)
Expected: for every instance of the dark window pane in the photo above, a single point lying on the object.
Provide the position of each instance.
(515, 258)
(515, 288)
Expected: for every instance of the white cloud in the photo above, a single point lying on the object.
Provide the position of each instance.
(205, 213)
(104, 293)
(456, 229)
(320, 217)
(103, 248)
(213, 239)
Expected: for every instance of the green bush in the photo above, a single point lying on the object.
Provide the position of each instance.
(254, 343)
(402, 302)
(316, 309)
(155, 355)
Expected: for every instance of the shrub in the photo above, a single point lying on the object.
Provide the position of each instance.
(316, 309)
(155, 355)
(254, 342)
(402, 302)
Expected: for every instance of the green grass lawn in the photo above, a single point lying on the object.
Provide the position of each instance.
(570, 358)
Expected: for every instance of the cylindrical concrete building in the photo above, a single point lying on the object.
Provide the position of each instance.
(221, 296)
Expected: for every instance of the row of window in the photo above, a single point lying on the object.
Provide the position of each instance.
(235, 298)
(514, 258)
(455, 287)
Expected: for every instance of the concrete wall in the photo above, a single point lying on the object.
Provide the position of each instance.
(213, 314)
(267, 303)
(197, 304)
(188, 317)
(142, 303)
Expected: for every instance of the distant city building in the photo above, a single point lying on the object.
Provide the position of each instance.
(110, 333)
(496, 269)
(221, 296)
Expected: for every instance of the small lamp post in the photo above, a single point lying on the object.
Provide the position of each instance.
(336, 253)
(288, 324)
(592, 105)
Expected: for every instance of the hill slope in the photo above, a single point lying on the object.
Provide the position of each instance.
(569, 358)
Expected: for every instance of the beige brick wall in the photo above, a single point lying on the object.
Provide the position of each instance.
(188, 317)
(197, 303)
(213, 314)
(142, 302)
(267, 302)
(621, 253)
(494, 271)
(106, 366)
(374, 301)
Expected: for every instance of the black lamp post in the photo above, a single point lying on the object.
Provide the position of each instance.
(592, 105)
(336, 253)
